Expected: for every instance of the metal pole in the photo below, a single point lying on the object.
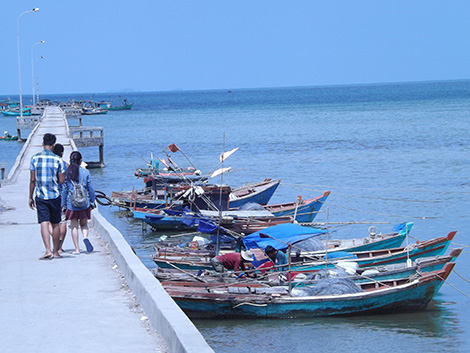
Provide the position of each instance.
(32, 66)
(19, 60)
(326, 247)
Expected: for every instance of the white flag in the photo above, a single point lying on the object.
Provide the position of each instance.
(225, 155)
(220, 171)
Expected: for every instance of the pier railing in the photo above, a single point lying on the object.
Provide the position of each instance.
(89, 137)
(27, 122)
(73, 114)
(3, 171)
(86, 136)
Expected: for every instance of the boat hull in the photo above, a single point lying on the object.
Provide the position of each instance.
(408, 297)
(261, 196)
(305, 213)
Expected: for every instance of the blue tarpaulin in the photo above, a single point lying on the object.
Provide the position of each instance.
(206, 226)
(287, 233)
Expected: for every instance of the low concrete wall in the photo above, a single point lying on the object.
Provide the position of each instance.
(163, 313)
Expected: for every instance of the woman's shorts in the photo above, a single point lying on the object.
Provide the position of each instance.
(82, 214)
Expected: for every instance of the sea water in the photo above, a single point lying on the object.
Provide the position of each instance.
(388, 153)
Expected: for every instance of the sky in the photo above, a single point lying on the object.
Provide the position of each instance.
(105, 46)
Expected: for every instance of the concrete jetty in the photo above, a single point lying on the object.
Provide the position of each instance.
(101, 301)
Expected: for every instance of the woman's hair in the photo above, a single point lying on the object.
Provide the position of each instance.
(73, 171)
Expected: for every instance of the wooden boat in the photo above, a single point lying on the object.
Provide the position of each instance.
(165, 195)
(310, 277)
(245, 222)
(108, 105)
(304, 261)
(259, 193)
(302, 211)
(433, 247)
(93, 111)
(297, 235)
(16, 112)
(203, 300)
(155, 176)
(9, 138)
(239, 221)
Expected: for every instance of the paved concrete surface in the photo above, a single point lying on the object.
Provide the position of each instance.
(80, 302)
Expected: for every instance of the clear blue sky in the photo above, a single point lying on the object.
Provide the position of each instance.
(152, 45)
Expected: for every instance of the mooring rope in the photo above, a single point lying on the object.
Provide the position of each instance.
(465, 246)
(458, 290)
(372, 189)
(381, 214)
(466, 280)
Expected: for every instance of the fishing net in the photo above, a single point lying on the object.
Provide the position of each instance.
(251, 206)
(310, 244)
(328, 286)
(320, 274)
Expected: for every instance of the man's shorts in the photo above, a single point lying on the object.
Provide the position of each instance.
(49, 210)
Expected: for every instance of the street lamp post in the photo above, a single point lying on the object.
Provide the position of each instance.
(19, 61)
(37, 87)
(32, 64)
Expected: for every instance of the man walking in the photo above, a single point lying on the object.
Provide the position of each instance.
(46, 172)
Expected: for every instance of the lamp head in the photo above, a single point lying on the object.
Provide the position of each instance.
(42, 41)
(35, 9)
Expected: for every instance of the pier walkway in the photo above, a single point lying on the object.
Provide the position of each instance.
(104, 301)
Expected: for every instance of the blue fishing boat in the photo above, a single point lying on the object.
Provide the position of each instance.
(433, 247)
(232, 219)
(304, 261)
(16, 112)
(263, 301)
(259, 193)
(280, 236)
(164, 195)
(302, 211)
(311, 277)
(108, 105)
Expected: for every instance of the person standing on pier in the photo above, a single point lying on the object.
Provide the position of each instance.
(78, 181)
(59, 150)
(46, 173)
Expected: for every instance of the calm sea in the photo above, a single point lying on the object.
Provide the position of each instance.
(388, 153)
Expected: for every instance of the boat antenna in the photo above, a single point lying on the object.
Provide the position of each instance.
(220, 202)
(326, 247)
(409, 263)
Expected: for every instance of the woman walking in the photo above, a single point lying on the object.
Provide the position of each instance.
(78, 196)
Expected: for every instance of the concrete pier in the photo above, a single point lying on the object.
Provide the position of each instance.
(100, 301)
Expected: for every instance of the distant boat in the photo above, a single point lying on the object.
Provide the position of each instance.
(108, 105)
(9, 138)
(16, 112)
(8, 104)
(93, 111)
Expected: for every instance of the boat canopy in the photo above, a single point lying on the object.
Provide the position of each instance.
(287, 233)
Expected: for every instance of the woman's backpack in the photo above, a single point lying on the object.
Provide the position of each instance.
(78, 195)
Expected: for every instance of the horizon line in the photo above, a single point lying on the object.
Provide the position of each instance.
(248, 88)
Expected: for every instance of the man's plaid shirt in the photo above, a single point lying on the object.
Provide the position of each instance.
(47, 165)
